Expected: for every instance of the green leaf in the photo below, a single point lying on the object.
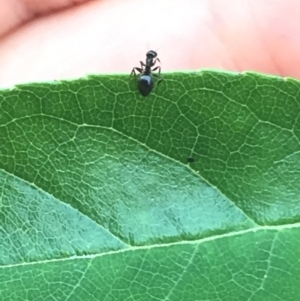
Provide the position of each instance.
(99, 202)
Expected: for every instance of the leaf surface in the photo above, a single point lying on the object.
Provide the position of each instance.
(99, 202)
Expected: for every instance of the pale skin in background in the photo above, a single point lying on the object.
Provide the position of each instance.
(57, 39)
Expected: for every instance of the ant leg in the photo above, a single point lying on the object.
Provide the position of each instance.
(159, 68)
(142, 64)
(136, 69)
(154, 62)
(158, 74)
(159, 79)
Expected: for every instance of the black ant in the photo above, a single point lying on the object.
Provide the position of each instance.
(145, 81)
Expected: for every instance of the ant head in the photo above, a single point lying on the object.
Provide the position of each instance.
(151, 54)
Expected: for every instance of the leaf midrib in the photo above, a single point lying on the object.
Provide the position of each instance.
(163, 245)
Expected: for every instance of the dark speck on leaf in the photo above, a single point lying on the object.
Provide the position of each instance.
(190, 160)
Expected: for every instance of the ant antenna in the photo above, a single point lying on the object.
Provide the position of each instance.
(148, 46)
(156, 48)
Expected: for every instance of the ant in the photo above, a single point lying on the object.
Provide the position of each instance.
(145, 81)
